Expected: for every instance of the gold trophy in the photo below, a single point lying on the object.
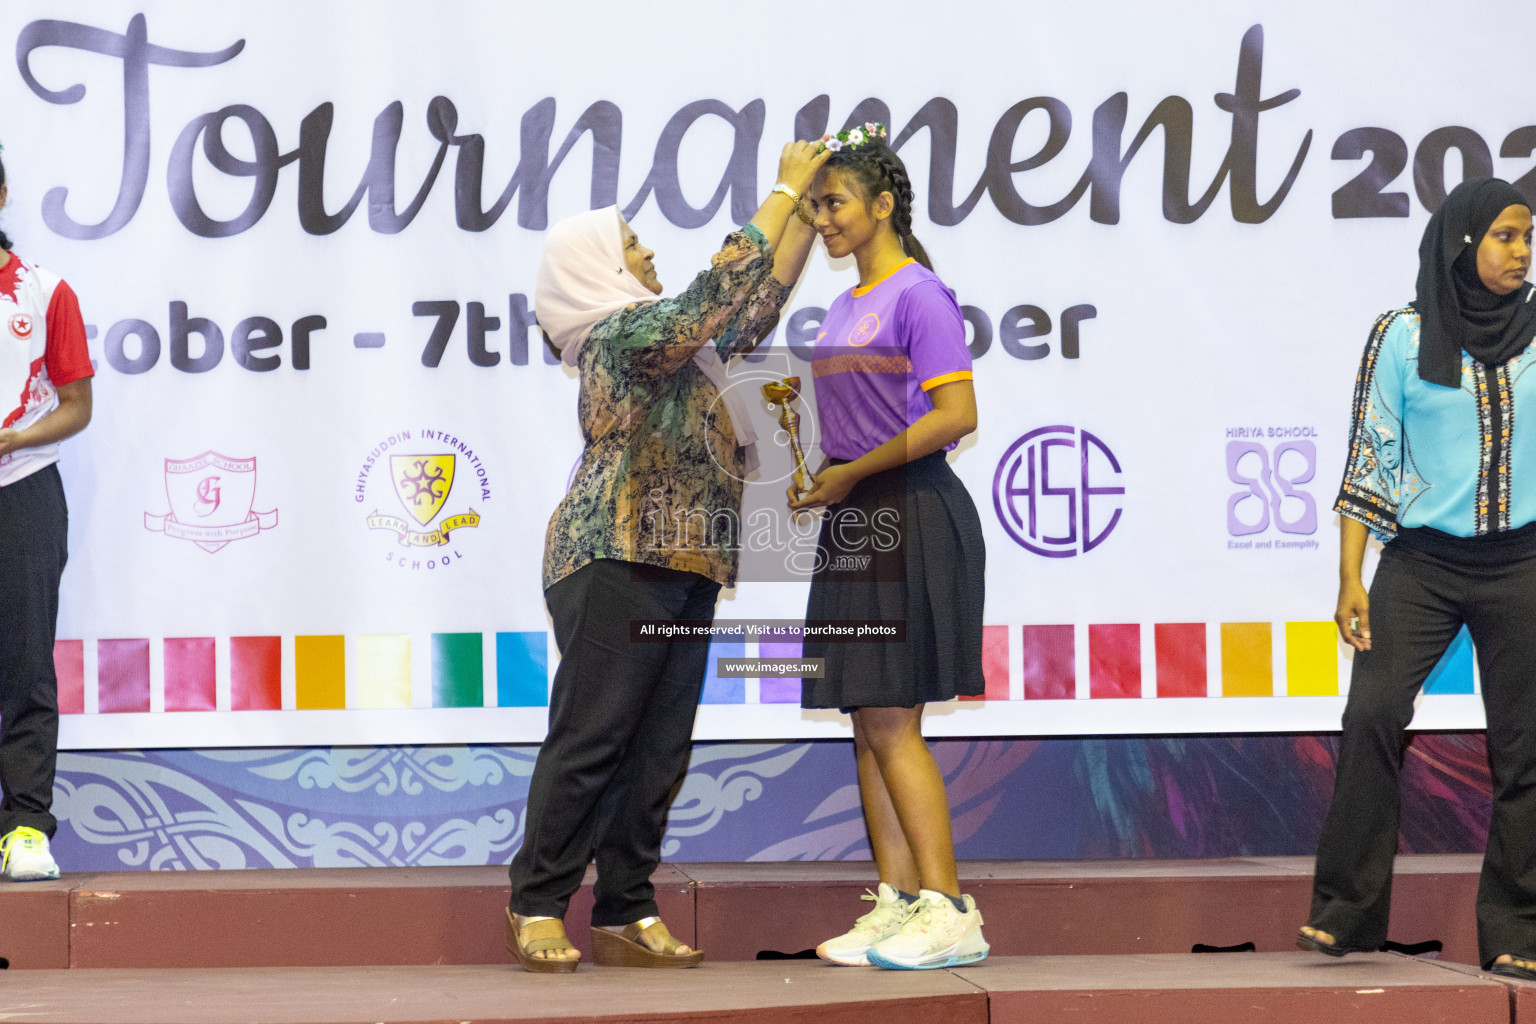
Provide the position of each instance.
(783, 394)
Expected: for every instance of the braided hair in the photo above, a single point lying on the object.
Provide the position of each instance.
(5, 243)
(877, 169)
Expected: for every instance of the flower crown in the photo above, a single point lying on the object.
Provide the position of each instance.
(853, 138)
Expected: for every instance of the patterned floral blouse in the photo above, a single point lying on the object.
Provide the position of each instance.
(660, 479)
(1458, 459)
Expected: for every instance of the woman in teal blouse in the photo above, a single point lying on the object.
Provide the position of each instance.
(1442, 467)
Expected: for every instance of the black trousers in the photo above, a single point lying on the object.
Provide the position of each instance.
(620, 726)
(34, 534)
(1427, 586)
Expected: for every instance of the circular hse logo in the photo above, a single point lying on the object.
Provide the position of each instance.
(1057, 491)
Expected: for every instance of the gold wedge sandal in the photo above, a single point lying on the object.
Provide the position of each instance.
(624, 949)
(551, 936)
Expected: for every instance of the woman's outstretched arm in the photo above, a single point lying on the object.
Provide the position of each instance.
(757, 319)
(663, 335)
(794, 248)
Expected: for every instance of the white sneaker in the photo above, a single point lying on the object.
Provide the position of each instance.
(884, 921)
(936, 935)
(24, 856)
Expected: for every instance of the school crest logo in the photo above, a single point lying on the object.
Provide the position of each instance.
(423, 487)
(864, 331)
(422, 483)
(210, 497)
(21, 325)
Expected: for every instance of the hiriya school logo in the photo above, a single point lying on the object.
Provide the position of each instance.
(21, 325)
(435, 478)
(1269, 462)
(1057, 491)
(210, 497)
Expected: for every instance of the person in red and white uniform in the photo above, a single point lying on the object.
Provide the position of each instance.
(45, 396)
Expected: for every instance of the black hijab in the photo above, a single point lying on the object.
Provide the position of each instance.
(1456, 310)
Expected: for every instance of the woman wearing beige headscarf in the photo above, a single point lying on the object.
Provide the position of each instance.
(647, 532)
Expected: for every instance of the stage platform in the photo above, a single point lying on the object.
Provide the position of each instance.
(1225, 988)
(1036, 908)
(353, 917)
(328, 917)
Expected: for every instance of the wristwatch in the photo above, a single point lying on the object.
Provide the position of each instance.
(794, 196)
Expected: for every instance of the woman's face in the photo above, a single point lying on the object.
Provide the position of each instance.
(637, 258)
(1504, 257)
(845, 220)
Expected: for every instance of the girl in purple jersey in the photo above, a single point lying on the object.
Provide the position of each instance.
(902, 545)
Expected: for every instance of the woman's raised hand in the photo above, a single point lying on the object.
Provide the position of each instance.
(798, 164)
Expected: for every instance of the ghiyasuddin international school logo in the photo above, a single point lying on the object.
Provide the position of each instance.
(211, 497)
(433, 478)
(1058, 491)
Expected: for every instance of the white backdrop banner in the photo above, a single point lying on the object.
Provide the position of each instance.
(311, 506)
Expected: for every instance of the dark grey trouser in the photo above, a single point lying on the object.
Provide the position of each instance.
(620, 727)
(1423, 592)
(34, 533)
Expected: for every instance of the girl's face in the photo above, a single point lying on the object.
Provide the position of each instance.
(637, 258)
(1504, 256)
(846, 220)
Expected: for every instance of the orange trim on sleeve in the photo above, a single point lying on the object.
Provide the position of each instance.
(948, 378)
(859, 293)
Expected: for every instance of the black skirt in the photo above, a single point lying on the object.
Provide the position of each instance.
(904, 547)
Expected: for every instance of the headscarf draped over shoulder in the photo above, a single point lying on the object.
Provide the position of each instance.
(583, 279)
(1456, 310)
